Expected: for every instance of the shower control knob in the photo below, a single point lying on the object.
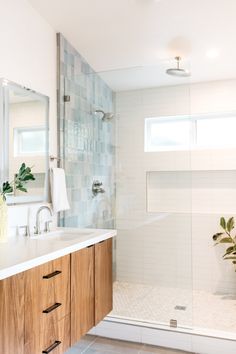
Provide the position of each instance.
(97, 183)
(97, 188)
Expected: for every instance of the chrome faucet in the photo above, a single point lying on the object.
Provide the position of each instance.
(37, 226)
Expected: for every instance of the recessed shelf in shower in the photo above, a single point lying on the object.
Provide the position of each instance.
(204, 192)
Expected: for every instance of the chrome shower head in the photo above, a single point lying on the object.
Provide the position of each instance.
(178, 72)
(106, 116)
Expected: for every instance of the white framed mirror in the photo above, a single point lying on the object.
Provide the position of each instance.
(24, 122)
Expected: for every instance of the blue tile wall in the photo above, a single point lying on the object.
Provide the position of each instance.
(86, 143)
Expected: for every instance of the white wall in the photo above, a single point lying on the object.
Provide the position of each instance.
(28, 54)
(171, 246)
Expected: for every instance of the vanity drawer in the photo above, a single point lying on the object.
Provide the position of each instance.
(56, 288)
(54, 338)
(47, 296)
(48, 285)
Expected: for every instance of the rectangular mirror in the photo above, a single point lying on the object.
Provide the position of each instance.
(24, 133)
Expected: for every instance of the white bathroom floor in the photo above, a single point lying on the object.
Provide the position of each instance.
(158, 305)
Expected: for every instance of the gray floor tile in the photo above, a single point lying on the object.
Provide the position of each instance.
(100, 351)
(73, 350)
(82, 345)
(97, 345)
(152, 350)
(159, 350)
(103, 345)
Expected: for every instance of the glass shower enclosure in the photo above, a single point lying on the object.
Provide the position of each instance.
(147, 189)
(164, 151)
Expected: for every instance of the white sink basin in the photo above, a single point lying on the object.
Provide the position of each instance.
(63, 235)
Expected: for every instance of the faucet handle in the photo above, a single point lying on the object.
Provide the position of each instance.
(47, 226)
(26, 230)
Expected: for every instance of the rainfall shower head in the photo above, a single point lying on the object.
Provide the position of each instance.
(178, 72)
(106, 116)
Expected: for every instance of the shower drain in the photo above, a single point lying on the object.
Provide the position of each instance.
(180, 308)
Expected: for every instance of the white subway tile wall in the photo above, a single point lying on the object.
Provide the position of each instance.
(169, 203)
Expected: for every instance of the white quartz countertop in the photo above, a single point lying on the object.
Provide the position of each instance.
(22, 253)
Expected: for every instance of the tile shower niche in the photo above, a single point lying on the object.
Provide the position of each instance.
(212, 191)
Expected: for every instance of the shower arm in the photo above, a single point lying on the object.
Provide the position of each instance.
(178, 62)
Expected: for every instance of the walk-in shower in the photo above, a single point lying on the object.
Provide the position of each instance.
(169, 175)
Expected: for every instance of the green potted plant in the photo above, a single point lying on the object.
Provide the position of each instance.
(19, 182)
(226, 237)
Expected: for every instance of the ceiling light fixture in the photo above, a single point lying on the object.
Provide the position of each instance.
(179, 72)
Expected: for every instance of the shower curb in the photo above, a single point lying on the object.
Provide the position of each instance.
(181, 339)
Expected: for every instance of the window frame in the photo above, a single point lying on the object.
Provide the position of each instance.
(17, 131)
(193, 119)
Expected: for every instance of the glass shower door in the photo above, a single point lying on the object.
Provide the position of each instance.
(153, 284)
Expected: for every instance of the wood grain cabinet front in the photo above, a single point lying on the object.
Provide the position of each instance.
(103, 279)
(47, 301)
(50, 307)
(82, 293)
(54, 339)
(91, 287)
(12, 315)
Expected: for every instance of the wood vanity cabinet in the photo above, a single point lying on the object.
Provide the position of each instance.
(91, 287)
(12, 315)
(47, 307)
(103, 279)
(82, 292)
(50, 307)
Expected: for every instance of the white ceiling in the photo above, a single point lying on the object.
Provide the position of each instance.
(113, 34)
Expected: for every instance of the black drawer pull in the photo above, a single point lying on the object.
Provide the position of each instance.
(53, 346)
(53, 274)
(90, 246)
(51, 308)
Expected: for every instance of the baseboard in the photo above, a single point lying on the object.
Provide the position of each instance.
(175, 339)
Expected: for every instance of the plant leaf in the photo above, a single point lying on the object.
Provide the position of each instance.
(229, 250)
(226, 240)
(230, 224)
(20, 180)
(24, 175)
(223, 223)
(22, 167)
(22, 189)
(216, 236)
(7, 188)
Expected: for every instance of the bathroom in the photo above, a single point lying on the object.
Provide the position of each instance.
(138, 108)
